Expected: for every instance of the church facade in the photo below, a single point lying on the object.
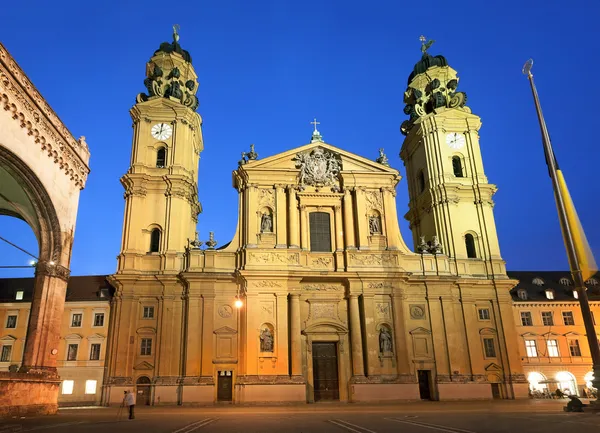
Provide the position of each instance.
(317, 297)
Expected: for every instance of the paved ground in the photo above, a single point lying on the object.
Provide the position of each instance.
(479, 417)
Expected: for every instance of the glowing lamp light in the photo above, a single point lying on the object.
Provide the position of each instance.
(238, 303)
(32, 263)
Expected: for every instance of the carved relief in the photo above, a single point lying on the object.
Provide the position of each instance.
(382, 309)
(275, 258)
(322, 262)
(225, 311)
(266, 309)
(320, 287)
(374, 200)
(373, 259)
(266, 283)
(417, 311)
(266, 197)
(318, 168)
(380, 285)
(323, 311)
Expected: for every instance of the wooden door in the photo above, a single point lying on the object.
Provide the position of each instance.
(224, 386)
(424, 384)
(496, 393)
(325, 371)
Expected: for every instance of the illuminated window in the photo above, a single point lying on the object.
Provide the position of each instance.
(547, 319)
(90, 387)
(67, 386)
(526, 319)
(484, 314)
(19, 295)
(553, 348)
(531, 348)
(72, 352)
(575, 294)
(574, 348)
(568, 318)
(550, 294)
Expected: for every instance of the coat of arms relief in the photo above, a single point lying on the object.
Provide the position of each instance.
(318, 168)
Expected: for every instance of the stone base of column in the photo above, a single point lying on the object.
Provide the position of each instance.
(26, 394)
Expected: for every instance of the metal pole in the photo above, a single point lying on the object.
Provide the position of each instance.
(569, 244)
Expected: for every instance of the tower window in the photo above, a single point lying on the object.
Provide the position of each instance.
(320, 232)
(154, 240)
(421, 181)
(470, 244)
(161, 158)
(457, 166)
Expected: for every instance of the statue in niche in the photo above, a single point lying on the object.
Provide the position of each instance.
(385, 340)
(375, 224)
(266, 223)
(266, 340)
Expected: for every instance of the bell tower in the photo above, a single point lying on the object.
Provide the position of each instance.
(450, 196)
(161, 185)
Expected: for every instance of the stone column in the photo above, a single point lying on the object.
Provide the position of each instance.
(295, 330)
(43, 332)
(304, 228)
(348, 220)
(293, 229)
(280, 230)
(339, 231)
(358, 368)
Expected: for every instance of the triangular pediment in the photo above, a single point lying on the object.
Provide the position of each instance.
(225, 330)
(8, 338)
(493, 367)
(420, 330)
(350, 162)
(144, 366)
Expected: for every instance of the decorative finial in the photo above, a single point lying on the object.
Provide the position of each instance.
(383, 160)
(425, 44)
(252, 155)
(196, 243)
(211, 243)
(316, 135)
(176, 28)
(243, 160)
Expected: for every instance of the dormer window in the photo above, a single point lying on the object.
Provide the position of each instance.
(538, 281)
(19, 295)
(549, 294)
(522, 294)
(575, 294)
(565, 281)
(592, 282)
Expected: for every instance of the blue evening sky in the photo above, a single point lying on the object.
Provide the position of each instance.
(266, 68)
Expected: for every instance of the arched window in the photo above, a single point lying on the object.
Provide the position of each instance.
(470, 244)
(421, 181)
(154, 240)
(320, 232)
(457, 166)
(161, 158)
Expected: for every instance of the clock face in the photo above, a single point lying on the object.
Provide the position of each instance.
(455, 140)
(161, 131)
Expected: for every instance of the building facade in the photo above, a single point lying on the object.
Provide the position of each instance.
(83, 334)
(552, 339)
(317, 297)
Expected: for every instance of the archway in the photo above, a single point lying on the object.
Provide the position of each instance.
(537, 384)
(566, 382)
(143, 385)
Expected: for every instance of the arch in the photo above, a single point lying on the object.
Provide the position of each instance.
(421, 181)
(537, 281)
(588, 378)
(487, 331)
(32, 203)
(566, 382)
(155, 236)
(321, 328)
(143, 380)
(565, 281)
(161, 157)
(470, 246)
(457, 166)
(537, 381)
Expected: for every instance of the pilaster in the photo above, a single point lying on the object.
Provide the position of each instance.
(281, 216)
(293, 230)
(348, 220)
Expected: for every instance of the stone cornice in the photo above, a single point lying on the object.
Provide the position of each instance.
(27, 106)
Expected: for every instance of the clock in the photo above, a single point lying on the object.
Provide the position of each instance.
(161, 131)
(455, 140)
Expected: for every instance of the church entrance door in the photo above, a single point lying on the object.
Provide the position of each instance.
(325, 371)
(424, 382)
(143, 391)
(224, 386)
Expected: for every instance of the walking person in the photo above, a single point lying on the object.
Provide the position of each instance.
(129, 401)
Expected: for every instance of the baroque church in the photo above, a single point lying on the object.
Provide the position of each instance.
(317, 297)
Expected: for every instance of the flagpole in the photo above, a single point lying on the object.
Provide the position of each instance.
(588, 320)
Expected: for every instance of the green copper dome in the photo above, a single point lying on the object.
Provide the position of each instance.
(174, 47)
(426, 62)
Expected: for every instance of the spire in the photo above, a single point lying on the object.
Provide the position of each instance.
(316, 135)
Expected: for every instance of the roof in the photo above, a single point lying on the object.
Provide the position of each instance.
(83, 288)
(550, 280)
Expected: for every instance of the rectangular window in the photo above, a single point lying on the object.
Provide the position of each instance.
(489, 347)
(90, 387)
(11, 322)
(547, 319)
(553, 348)
(484, 314)
(72, 352)
(99, 319)
(19, 295)
(76, 320)
(67, 387)
(531, 348)
(320, 232)
(146, 346)
(568, 318)
(148, 313)
(574, 348)
(5, 355)
(526, 319)
(95, 352)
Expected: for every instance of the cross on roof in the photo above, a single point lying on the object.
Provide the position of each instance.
(314, 122)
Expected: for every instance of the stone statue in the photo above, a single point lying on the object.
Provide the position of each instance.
(266, 340)
(374, 224)
(385, 340)
(434, 246)
(382, 159)
(422, 247)
(266, 223)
